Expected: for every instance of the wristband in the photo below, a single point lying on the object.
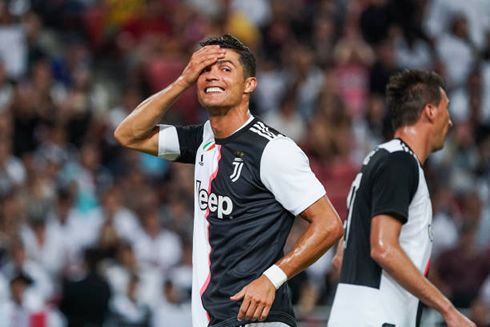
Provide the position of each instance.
(276, 276)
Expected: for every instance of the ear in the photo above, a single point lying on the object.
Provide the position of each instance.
(430, 111)
(250, 85)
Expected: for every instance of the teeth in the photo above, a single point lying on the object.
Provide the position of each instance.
(214, 90)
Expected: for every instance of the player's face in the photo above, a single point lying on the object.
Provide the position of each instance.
(443, 122)
(222, 85)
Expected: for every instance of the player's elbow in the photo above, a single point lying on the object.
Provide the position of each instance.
(337, 230)
(121, 136)
(118, 136)
(380, 252)
(334, 230)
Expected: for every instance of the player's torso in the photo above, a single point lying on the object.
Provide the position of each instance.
(227, 178)
(416, 235)
(364, 285)
(239, 227)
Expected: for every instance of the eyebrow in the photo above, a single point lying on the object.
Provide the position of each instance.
(219, 62)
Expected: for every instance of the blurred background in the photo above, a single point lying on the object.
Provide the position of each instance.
(91, 233)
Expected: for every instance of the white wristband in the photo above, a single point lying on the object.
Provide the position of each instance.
(276, 276)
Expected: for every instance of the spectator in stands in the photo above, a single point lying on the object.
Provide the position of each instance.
(20, 308)
(126, 265)
(455, 51)
(157, 247)
(459, 283)
(171, 311)
(287, 120)
(12, 170)
(42, 286)
(58, 76)
(86, 301)
(6, 89)
(127, 309)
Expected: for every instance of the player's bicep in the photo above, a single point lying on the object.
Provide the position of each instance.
(385, 232)
(315, 211)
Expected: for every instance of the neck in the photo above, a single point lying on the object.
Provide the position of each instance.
(416, 140)
(226, 123)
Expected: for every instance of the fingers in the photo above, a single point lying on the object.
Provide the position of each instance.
(238, 295)
(242, 313)
(264, 313)
(208, 54)
(210, 48)
(258, 297)
(208, 60)
(249, 315)
(201, 59)
(254, 309)
(259, 313)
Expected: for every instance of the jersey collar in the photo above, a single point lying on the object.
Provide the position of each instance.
(411, 151)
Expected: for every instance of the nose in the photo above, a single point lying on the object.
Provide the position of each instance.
(211, 75)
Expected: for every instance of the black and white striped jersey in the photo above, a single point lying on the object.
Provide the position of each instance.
(248, 189)
(391, 181)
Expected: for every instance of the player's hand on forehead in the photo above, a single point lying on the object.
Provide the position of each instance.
(202, 58)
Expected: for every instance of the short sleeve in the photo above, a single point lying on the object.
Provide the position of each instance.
(189, 137)
(395, 182)
(168, 142)
(285, 171)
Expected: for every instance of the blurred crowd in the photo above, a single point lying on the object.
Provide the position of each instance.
(92, 233)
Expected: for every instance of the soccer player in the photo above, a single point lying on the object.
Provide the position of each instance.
(388, 237)
(250, 183)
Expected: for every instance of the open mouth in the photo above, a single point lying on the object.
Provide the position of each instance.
(213, 90)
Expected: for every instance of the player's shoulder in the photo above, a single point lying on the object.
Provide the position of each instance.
(396, 145)
(263, 132)
(396, 150)
(268, 144)
(394, 155)
(275, 141)
(261, 138)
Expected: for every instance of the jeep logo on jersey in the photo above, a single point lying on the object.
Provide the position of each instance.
(215, 203)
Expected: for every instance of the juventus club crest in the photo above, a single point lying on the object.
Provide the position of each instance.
(237, 170)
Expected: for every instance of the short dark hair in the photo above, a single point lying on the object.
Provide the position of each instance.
(409, 91)
(228, 41)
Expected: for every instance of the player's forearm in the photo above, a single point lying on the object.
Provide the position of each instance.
(140, 124)
(324, 230)
(396, 263)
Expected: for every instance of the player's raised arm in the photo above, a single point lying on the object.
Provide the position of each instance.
(139, 131)
(387, 252)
